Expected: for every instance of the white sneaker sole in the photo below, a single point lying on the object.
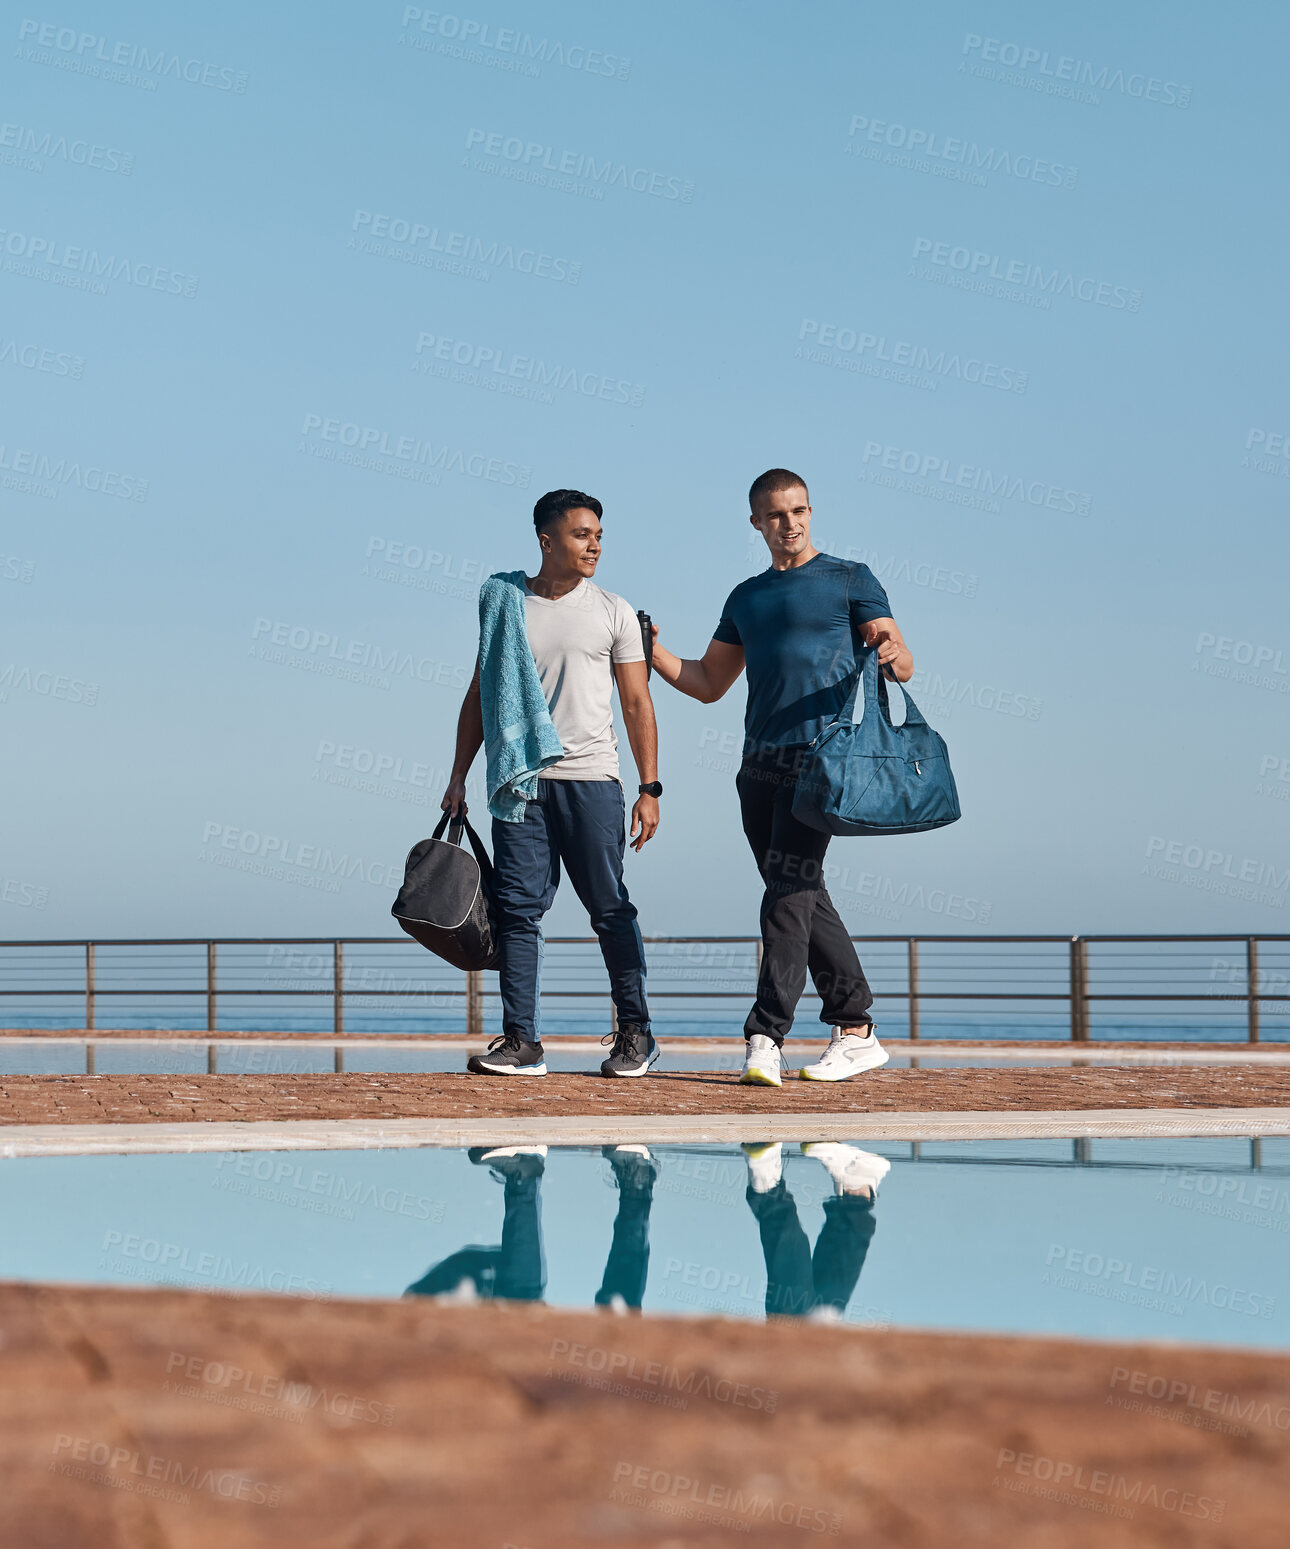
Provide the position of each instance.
(512, 1070)
(760, 1078)
(854, 1068)
(641, 1070)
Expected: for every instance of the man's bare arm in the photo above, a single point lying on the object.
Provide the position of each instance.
(893, 653)
(642, 733)
(705, 680)
(470, 737)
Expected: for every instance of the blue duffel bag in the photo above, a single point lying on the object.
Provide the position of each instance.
(872, 777)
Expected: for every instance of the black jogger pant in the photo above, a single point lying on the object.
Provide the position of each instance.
(801, 931)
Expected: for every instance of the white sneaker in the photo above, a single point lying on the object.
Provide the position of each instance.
(847, 1055)
(761, 1062)
(848, 1166)
(765, 1165)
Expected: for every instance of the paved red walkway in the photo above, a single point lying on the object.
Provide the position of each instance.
(174, 1099)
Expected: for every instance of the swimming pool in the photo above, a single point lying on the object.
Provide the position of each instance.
(1158, 1239)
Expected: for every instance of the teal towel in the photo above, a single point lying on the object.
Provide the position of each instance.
(519, 735)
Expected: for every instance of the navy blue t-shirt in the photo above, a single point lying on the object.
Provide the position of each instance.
(799, 630)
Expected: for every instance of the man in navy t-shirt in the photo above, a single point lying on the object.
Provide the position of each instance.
(795, 628)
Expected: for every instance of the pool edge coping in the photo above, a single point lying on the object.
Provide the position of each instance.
(29, 1140)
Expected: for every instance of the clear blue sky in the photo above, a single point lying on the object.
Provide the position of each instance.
(755, 238)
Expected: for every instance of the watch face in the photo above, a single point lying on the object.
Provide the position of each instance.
(654, 788)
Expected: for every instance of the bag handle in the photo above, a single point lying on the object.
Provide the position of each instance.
(459, 823)
(870, 673)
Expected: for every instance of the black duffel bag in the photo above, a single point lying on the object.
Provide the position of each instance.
(446, 901)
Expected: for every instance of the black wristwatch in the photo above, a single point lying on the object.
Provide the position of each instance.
(654, 788)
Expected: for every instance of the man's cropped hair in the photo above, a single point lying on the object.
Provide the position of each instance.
(556, 502)
(774, 480)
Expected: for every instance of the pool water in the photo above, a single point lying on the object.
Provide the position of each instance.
(1160, 1239)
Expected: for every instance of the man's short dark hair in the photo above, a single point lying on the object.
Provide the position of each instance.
(774, 480)
(556, 502)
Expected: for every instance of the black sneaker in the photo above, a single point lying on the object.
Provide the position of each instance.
(633, 1167)
(509, 1055)
(633, 1052)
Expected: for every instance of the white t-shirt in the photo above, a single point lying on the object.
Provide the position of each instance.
(575, 641)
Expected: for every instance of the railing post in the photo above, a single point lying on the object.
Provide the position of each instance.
(474, 1004)
(913, 987)
(338, 1060)
(1079, 990)
(90, 1064)
(212, 1060)
(211, 1008)
(1252, 989)
(89, 984)
(338, 988)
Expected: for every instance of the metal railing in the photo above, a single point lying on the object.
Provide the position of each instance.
(1075, 975)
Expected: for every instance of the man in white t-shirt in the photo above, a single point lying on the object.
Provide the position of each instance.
(584, 641)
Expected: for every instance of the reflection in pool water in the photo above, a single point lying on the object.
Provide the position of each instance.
(1131, 1239)
(799, 1283)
